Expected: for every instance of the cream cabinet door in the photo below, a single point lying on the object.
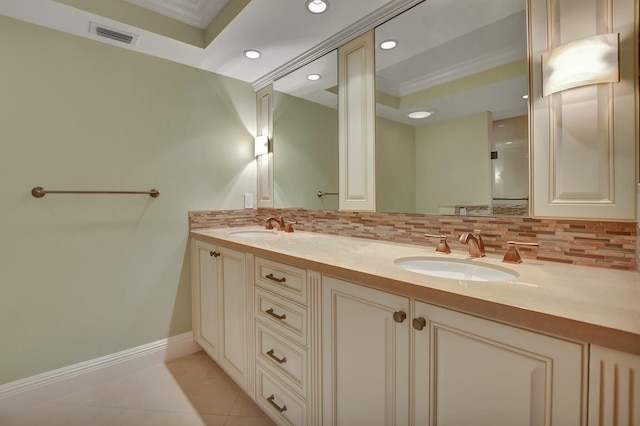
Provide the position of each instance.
(233, 315)
(365, 355)
(220, 307)
(204, 289)
(470, 371)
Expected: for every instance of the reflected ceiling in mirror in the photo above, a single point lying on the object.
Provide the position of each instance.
(305, 136)
(461, 67)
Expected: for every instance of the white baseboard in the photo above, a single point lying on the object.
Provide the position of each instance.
(52, 384)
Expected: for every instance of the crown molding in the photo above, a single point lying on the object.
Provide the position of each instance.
(198, 13)
(463, 69)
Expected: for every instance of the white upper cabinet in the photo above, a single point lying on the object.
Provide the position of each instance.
(264, 102)
(584, 140)
(356, 124)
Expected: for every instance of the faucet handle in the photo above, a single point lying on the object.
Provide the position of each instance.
(442, 247)
(512, 256)
(289, 226)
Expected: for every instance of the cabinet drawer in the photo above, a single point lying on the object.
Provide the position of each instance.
(285, 280)
(285, 360)
(282, 404)
(283, 316)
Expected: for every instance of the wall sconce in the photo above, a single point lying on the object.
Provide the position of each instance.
(591, 60)
(261, 145)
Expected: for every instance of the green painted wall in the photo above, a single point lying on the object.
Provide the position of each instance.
(84, 276)
(395, 167)
(452, 163)
(305, 153)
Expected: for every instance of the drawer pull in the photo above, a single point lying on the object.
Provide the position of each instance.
(276, 406)
(280, 317)
(278, 280)
(278, 360)
(214, 254)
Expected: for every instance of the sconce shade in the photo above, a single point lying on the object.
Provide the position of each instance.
(591, 60)
(261, 145)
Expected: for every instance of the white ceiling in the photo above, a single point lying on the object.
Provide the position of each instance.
(281, 29)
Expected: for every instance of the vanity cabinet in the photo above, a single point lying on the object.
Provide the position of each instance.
(385, 363)
(285, 342)
(315, 349)
(221, 315)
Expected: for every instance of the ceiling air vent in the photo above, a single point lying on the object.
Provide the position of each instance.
(117, 35)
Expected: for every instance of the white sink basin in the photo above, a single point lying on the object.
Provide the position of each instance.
(253, 233)
(456, 269)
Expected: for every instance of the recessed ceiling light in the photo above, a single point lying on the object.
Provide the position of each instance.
(317, 6)
(525, 96)
(419, 114)
(388, 44)
(509, 143)
(313, 77)
(252, 54)
(500, 125)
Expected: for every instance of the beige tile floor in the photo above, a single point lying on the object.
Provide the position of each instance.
(187, 391)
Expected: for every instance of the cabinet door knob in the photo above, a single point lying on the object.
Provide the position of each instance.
(419, 323)
(276, 406)
(399, 316)
(214, 253)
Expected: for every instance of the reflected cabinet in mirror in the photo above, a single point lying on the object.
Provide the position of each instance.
(305, 136)
(451, 125)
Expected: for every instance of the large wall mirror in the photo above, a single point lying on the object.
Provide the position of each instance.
(462, 62)
(452, 125)
(305, 136)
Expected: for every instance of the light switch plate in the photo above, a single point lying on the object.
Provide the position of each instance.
(248, 200)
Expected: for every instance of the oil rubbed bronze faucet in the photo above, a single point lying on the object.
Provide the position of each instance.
(282, 226)
(269, 225)
(474, 241)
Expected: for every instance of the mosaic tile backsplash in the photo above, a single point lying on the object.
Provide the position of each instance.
(589, 243)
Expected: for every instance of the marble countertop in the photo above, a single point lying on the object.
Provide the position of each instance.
(589, 304)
